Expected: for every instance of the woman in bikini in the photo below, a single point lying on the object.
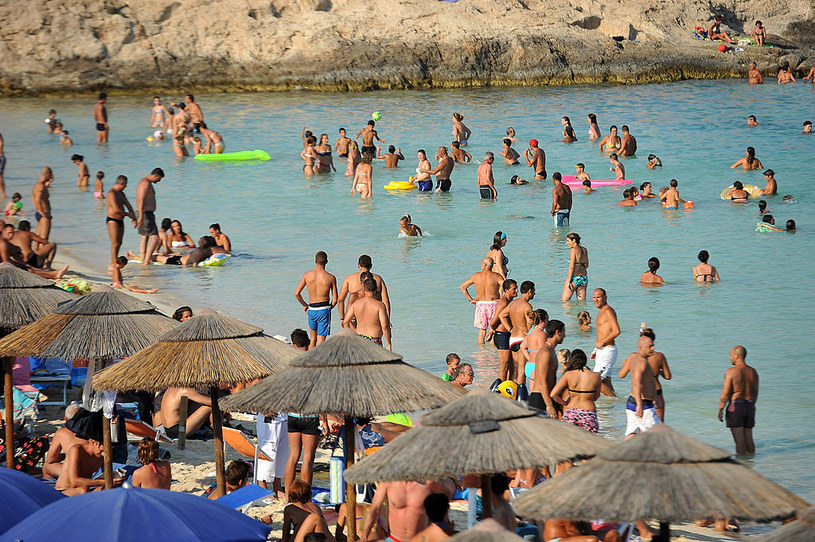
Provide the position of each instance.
(534, 341)
(749, 161)
(704, 272)
(177, 238)
(577, 278)
(650, 276)
(325, 162)
(583, 386)
(496, 252)
(309, 155)
(154, 474)
(612, 142)
(363, 178)
(179, 136)
(460, 131)
(158, 114)
(594, 129)
(354, 158)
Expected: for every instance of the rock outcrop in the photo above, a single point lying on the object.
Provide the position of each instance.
(74, 46)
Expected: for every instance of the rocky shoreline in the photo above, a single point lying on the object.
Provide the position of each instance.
(125, 46)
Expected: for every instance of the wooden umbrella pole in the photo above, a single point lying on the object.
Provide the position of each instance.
(664, 532)
(486, 496)
(350, 493)
(218, 439)
(8, 367)
(107, 458)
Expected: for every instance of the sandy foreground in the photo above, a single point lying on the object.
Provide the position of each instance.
(194, 467)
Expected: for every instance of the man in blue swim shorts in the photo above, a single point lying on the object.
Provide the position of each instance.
(322, 297)
(561, 201)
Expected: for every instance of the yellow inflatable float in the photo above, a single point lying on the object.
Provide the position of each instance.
(399, 185)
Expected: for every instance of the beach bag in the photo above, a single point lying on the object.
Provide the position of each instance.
(29, 452)
(336, 466)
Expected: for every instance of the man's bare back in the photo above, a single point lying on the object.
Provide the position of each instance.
(81, 462)
(62, 441)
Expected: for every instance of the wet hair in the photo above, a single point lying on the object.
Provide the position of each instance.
(643, 185)
(489, 156)
(308, 134)
(648, 332)
(207, 241)
(496, 240)
(299, 338)
(365, 275)
(158, 171)
(553, 327)
(768, 218)
(407, 219)
(526, 286)
(191, 97)
(653, 264)
(508, 283)
(674, 183)
(103, 96)
(369, 285)
(181, 106)
(455, 144)
(703, 256)
(100, 175)
(321, 258)
(762, 205)
(751, 154)
(538, 316)
(341, 130)
(651, 157)
(121, 260)
(769, 173)
(499, 483)
(215, 226)
(507, 142)
(790, 225)
(574, 236)
(75, 157)
(510, 129)
(450, 357)
(556, 176)
(581, 165)
(587, 183)
(311, 140)
(626, 193)
(612, 127)
(365, 261)
(738, 186)
(568, 120)
(583, 317)
(371, 123)
(458, 116)
(593, 118)
(391, 149)
(179, 312)
(577, 361)
(807, 123)
(613, 156)
(166, 223)
(751, 117)
(436, 505)
(237, 472)
(24, 225)
(625, 128)
(148, 450)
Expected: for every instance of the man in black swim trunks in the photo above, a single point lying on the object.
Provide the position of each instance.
(146, 221)
(206, 248)
(484, 178)
(100, 115)
(501, 332)
(368, 135)
(443, 170)
(739, 396)
(116, 203)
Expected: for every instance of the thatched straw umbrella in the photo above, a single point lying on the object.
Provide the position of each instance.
(349, 376)
(208, 350)
(488, 530)
(24, 297)
(102, 326)
(660, 475)
(800, 530)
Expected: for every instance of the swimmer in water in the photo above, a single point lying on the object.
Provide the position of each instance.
(158, 114)
(215, 142)
(577, 276)
(536, 159)
(785, 74)
(580, 172)
(15, 206)
(496, 252)
(84, 175)
(391, 158)
(616, 166)
(568, 132)
(646, 191)
(309, 155)
(510, 155)
(587, 189)
(739, 194)
(198, 146)
(518, 181)
(459, 155)
(363, 178)
(64, 139)
(511, 134)
(118, 281)
(341, 146)
(99, 186)
(325, 162)
(790, 225)
(51, 121)
(368, 135)
(807, 124)
(354, 158)
(407, 227)
(762, 207)
(460, 131)
(752, 121)
(771, 189)
(584, 322)
(768, 223)
(654, 161)
(422, 178)
(177, 238)
(650, 276)
(672, 199)
(628, 199)
(612, 142)
(704, 272)
(594, 128)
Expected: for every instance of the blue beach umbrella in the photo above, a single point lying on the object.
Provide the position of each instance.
(20, 496)
(136, 515)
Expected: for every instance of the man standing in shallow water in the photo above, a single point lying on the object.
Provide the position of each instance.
(739, 396)
(605, 349)
(116, 203)
(561, 201)
(487, 291)
(442, 170)
(322, 288)
(100, 115)
(146, 221)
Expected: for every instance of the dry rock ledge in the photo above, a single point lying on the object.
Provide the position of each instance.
(75, 47)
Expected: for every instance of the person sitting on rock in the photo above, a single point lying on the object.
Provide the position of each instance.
(715, 31)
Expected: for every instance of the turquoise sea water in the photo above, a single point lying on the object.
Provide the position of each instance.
(277, 220)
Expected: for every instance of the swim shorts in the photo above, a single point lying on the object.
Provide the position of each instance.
(365, 149)
(100, 127)
(484, 313)
(562, 217)
(636, 424)
(604, 360)
(486, 192)
(541, 174)
(375, 340)
(319, 318)
(173, 260)
(536, 401)
(586, 419)
(307, 425)
(197, 127)
(425, 186)
(741, 413)
(148, 224)
(501, 340)
(343, 155)
(444, 184)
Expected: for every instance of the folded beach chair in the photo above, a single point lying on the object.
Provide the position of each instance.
(245, 447)
(244, 498)
(143, 429)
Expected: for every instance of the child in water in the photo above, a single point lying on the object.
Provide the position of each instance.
(584, 322)
(452, 367)
(650, 276)
(99, 186)
(15, 206)
(408, 228)
(654, 161)
(580, 172)
(616, 166)
(587, 189)
(118, 281)
(459, 155)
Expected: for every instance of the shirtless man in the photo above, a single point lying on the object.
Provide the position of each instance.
(628, 146)
(484, 178)
(215, 142)
(195, 113)
(672, 199)
(754, 76)
(459, 154)
(118, 207)
(62, 441)
(352, 287)
(487, 292)
(739, 396)
(501, 333)
(81, 462)
(546, 364)
(392, 157)
(640, 408)
(510, 155)
(368, 135)
(220, 238)
(206, 248)
(13, 255)
(146, 218)
(437, 508)
(40, 198)
(659, 366)
(513, 317)
(371, 316)
(536, 159)
(771, 189)
(100, 116)
(43, 255)
(605, 350)
(442, 170)
(406, 514)
(322, 289)
(342, 144)
(199, 410)
(561, 201)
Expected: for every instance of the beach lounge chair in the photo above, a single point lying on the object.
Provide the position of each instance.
(245, 447)
(245, 498)
(142, 429)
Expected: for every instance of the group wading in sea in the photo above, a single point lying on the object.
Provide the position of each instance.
(523, 336)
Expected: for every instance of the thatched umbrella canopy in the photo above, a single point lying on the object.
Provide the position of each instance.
(24, 297)
(800, 530)
(101, 326)
(349, 376)
(480, 433)
(660, 475)
(208, 350)
(488, 530)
